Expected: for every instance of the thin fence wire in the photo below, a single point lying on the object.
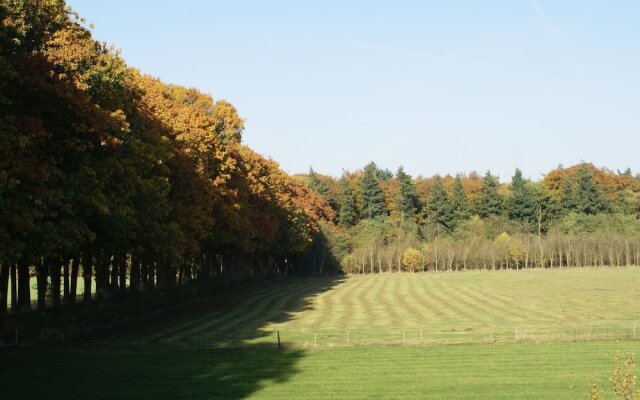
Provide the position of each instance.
(332, 338)
(307, 338)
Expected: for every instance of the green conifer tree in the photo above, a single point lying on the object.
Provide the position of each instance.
(347, 216)
(521, 204)
(439, 209)
(384, 174)
(459, 202)
(583, 195)
(490, 202)
(314, 182)
(372, 194)
(407, 196)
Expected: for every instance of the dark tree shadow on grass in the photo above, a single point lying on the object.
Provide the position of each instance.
(253, 329)
(219, 367)
(198, 374)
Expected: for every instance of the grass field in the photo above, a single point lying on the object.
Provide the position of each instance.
(229, 351)
(471, 307)
(501, 371)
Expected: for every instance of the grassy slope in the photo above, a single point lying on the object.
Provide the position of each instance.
(174, 359)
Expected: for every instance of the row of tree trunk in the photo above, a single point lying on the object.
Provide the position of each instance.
(520, 252)
(107, 275)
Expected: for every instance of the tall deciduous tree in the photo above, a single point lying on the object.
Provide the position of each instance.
(228, 124)
(100, 165)
(546, 207)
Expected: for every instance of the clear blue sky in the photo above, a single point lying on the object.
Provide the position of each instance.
(436, 86)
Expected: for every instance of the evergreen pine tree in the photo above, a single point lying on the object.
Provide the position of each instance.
(372, 194)
(583, 195)
(407, 196)
(490, 202)
(314, 182)
(347, 216)
(521, 205)
(439, 208)
(384, 174)
(459, 202)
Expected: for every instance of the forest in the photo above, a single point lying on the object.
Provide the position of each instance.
(138, 187)
(573, 217)
(111, 175)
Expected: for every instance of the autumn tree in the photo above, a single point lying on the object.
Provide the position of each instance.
(120, 177)
(117, 177)
(411, 260)
(227, 123)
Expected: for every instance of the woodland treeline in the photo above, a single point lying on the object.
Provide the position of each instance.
(114, 177)
(572, 217)
(132, 186)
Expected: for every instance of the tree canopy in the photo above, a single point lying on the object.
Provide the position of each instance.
(132, 179)
(144, 185)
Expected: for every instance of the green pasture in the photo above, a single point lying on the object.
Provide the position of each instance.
(470, 371)
(570, 324)
(423, 308)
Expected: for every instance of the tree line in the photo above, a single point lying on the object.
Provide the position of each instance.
(112, 176)
(576, 216)
(130, 185)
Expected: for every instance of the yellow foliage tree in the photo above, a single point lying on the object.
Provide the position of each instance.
(502, 242)
(516, 252)
(623, 379)
(426, 253)
(349, 264)
(511, 250)
(411, 259)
